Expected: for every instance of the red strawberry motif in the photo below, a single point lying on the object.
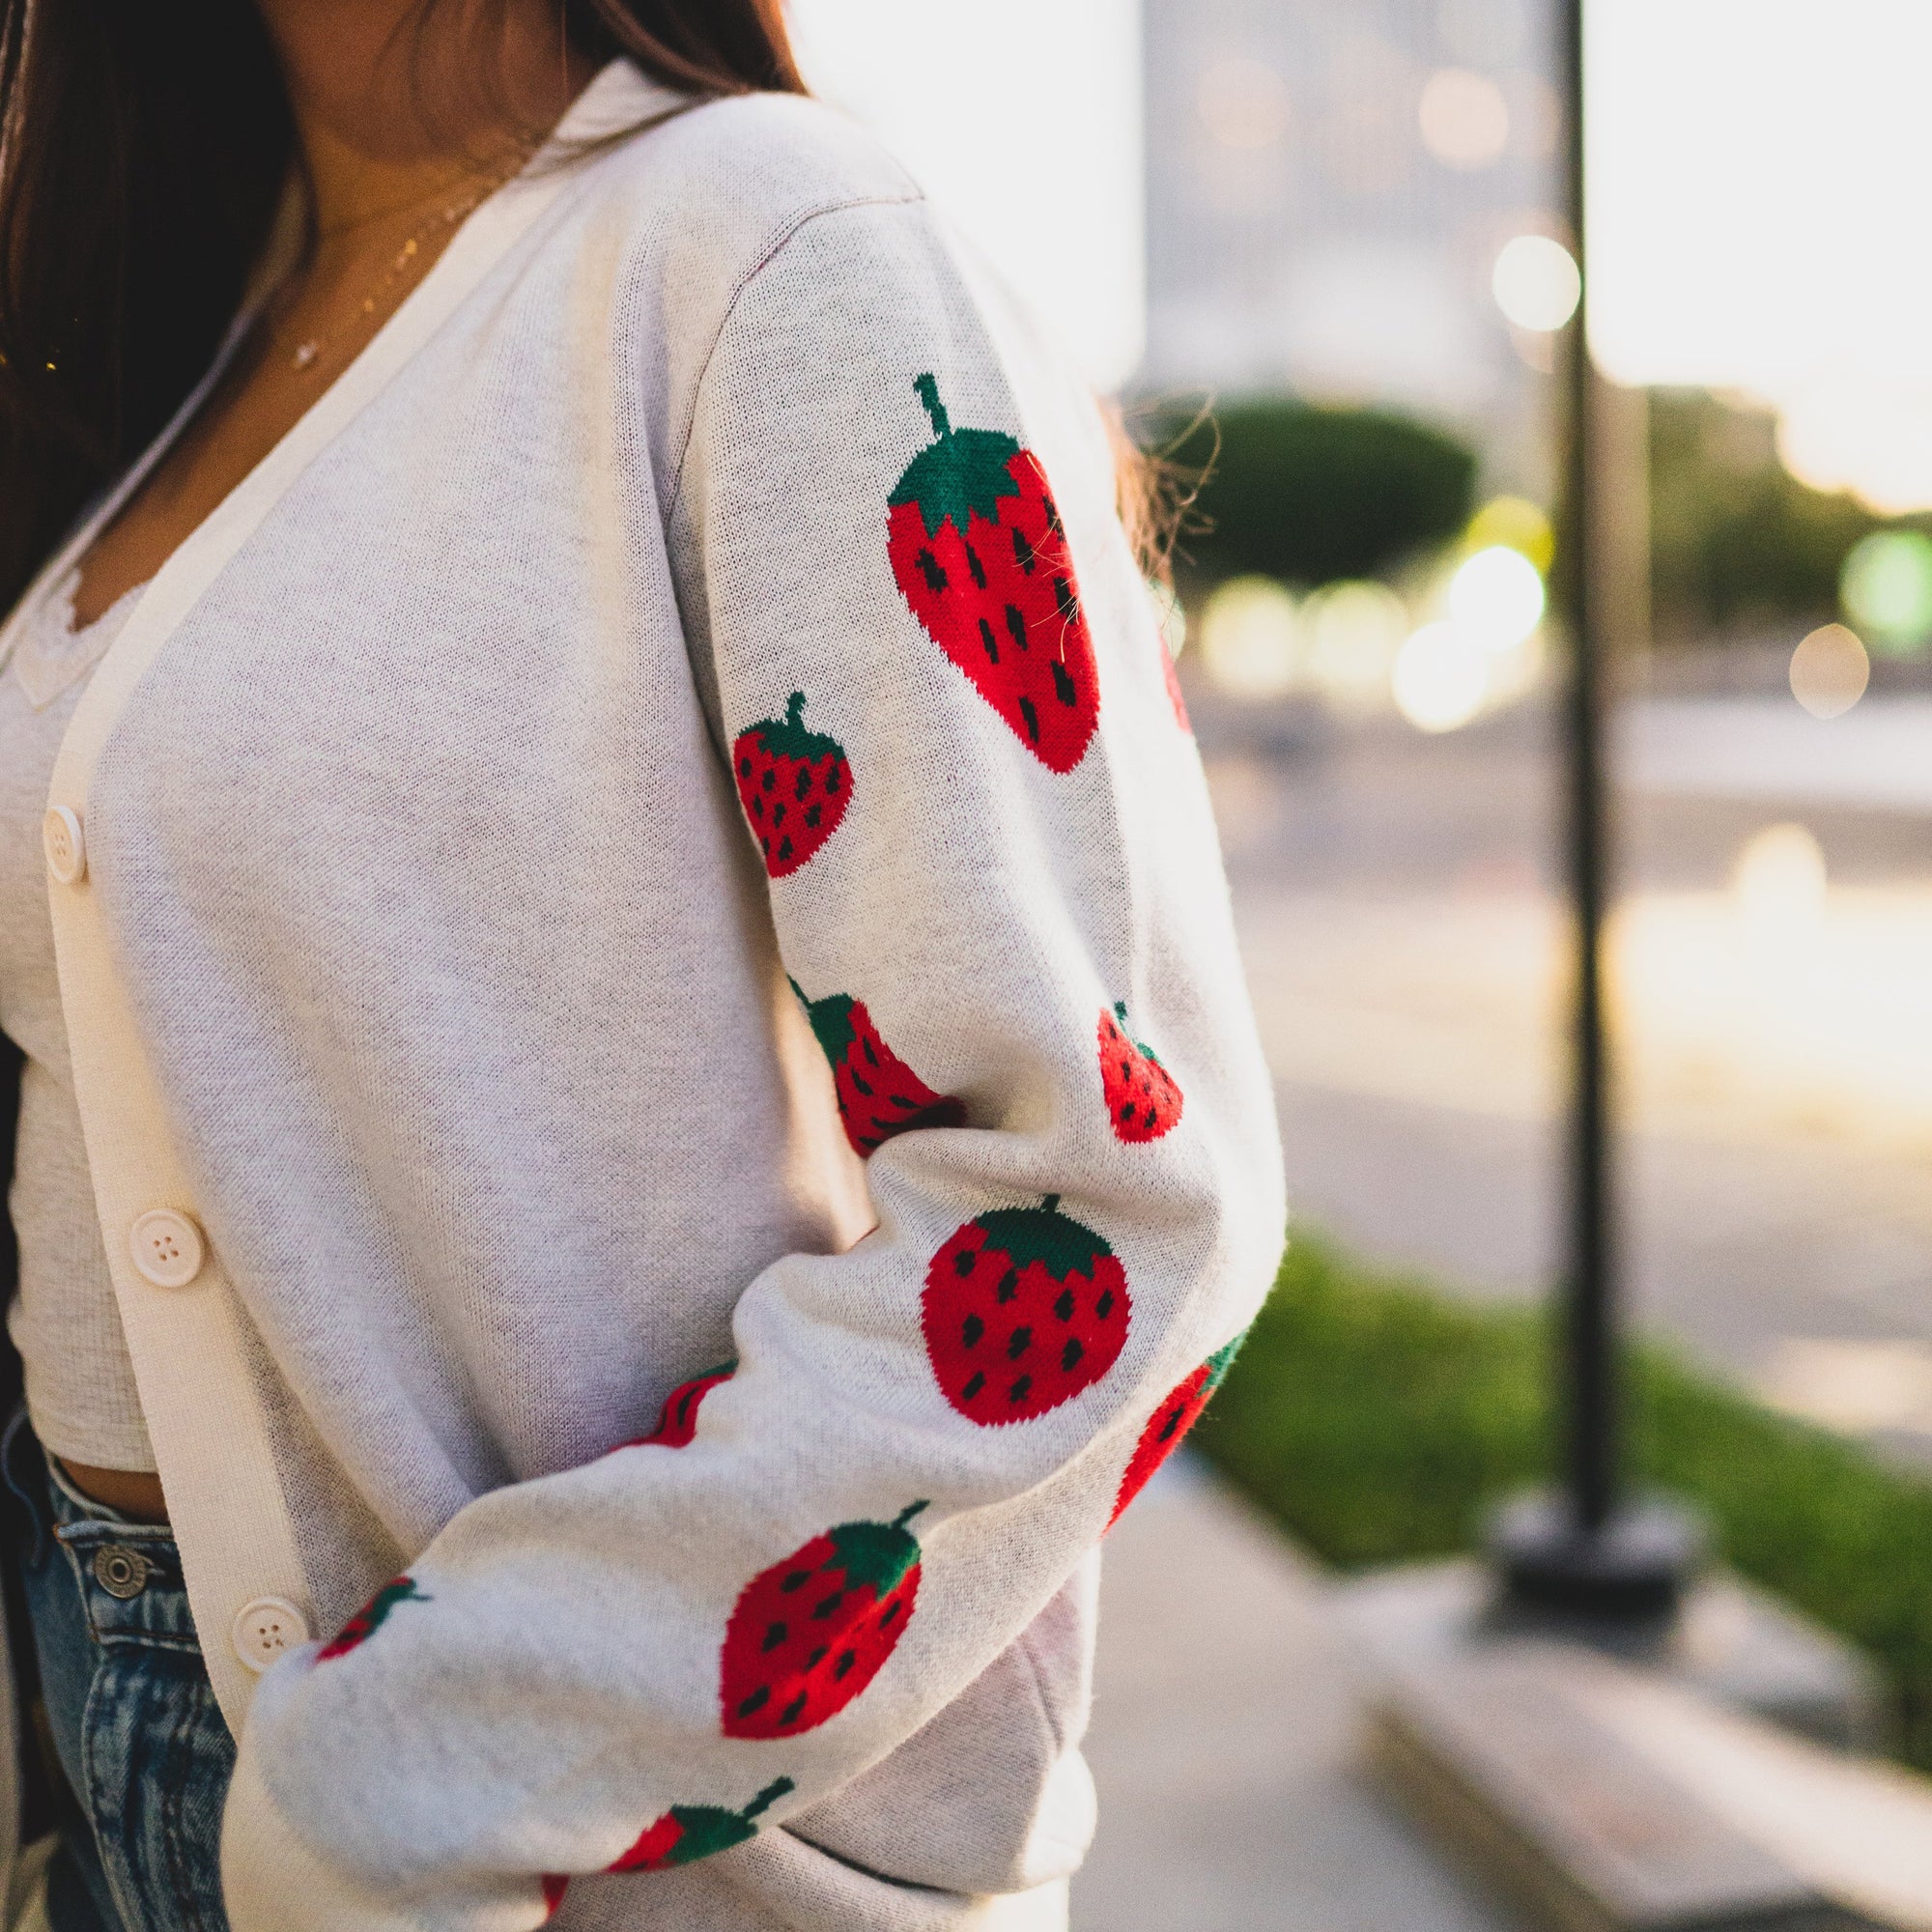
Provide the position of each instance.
(555, 1886)
(1175, 695)
(1143, 1101)
(372, 1616)
(1024, 1307)
(677, 1420)
(794, 784)
(811, 1633)
(982, 557)
(688, 1832)
(1171, 1421)
(879, 1095)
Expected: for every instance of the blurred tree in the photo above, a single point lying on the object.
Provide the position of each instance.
(1737, 543)
(1311, 494)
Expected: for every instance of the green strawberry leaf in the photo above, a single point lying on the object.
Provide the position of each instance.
(878, 1554)
(961, 475)
(831, 1020)
(1222, 1360)
(1044, 1234)
(787, 738)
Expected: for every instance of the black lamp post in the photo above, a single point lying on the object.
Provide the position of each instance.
(1587, 1549)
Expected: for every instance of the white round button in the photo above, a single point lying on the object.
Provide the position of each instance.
(167, 1248)
(65, 844)
(267, 1628)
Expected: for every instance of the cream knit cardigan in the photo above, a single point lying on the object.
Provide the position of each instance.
(705, 582)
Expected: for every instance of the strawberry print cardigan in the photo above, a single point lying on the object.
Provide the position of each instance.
(669, 1087)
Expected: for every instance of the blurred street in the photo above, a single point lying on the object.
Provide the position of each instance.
(1224, 1744)
(1406, 953)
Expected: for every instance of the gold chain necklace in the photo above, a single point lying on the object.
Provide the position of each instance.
(308, 353)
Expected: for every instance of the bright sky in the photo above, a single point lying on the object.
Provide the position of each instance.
(1759, 219)
(1022, 119)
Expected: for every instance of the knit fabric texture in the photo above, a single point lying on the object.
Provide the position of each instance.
(628, 878)
(80, 1383)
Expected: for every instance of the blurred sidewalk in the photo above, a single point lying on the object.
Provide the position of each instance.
(1223, 1745)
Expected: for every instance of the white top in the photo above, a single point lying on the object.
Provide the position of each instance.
(80, 1383)
(619, 637)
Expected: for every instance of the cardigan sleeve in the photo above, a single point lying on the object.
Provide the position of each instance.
(944, 713)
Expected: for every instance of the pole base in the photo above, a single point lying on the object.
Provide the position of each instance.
(1638, 1568)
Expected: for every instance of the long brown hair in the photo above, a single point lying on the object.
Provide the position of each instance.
(143, 149)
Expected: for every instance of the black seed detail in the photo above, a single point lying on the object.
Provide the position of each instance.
(1170, 1425)
(796, 1579)
(1019, 1390)
(973, 1388)
(832, 777)
(1023, 551)
(1016, 626)
(756, 1701)
(818, 1656)
(930, 569)
(1064, 1307)
(813, 812)
(872, 1053)
(802, 785)
(1068, 604)
(758, 809)
(828, 1606)
(862, 1086)
(846, 1659)
(778, 813)
(770, 780)
(904, 1105)
(1053, 522)
(1062, 684)
(891, 1610)
(991, 643)
(785, 846)
(1071, 1353)
(1010, 1285)
(963, 1260)
(744, 768)
(1032, 718)
(765, 846)
(1021, 1342)
(1104, 1307)
(971, 1332)
(775, 1636)
(974, 564)
(793, 1711)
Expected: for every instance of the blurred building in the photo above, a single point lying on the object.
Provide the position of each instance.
(1330, 186)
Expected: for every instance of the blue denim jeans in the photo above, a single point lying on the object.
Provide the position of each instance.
(135, 1726)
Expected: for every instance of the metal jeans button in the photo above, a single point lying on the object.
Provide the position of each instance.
(120, 1571)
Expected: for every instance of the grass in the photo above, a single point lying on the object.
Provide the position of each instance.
(1376, 1419)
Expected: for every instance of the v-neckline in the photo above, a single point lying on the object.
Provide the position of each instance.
(619, 97)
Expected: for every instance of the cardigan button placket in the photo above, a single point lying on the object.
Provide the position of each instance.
(65, 844)
(167, 1248)
(265, 1629)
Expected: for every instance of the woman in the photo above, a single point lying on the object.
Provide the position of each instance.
(632, 1058)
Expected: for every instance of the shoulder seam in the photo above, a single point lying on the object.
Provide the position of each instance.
(774, 247)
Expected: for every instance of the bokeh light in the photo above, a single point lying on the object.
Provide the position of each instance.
(1354, 631)
(1465, 121)
(1496, 597)
(1441, 678)
(1251, 639)
(1778, 884)
(1535, 283)
(1887, 589)
(1517, 521)
(1243, 103)
(1829, 671)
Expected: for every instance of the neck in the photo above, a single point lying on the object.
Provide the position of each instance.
(395, 99)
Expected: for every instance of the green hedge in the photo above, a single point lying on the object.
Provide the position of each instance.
(1312, 494)
(1377, 1420)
